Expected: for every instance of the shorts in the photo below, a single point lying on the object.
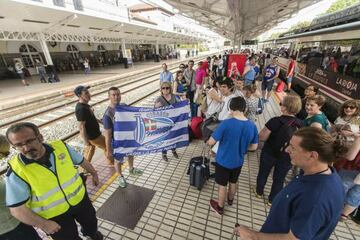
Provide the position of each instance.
(267, 85)
(22, 75)
(224, 175)
(289, 80)
(248, 82)
(122, 160)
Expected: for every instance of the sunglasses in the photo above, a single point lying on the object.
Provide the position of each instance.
(165, 88)
(351, 107)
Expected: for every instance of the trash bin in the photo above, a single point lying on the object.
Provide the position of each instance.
(157, 58)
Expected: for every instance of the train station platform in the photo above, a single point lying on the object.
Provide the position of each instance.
(13, 93)
(178, 211)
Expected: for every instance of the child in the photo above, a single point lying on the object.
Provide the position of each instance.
(236, 135)
(252, 102)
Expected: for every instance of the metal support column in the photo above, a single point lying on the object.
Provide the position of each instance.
(45, 49)
(157, 47)
(123, 48)
(240, 41)
(157, 52)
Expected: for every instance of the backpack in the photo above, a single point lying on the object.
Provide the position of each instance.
(283, 136)
(260, 108)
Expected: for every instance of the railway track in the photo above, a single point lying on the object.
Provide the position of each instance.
(53, 99)
(65, 104)
(52, 128)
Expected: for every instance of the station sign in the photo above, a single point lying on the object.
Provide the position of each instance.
(249, 42)
(346, 85)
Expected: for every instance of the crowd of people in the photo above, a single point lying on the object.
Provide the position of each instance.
(45, 190)
(326, 155)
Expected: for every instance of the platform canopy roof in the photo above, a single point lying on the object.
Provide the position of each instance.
(24, 22)
(236, 19)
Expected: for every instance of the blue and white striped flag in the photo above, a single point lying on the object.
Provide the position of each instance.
(139, 131)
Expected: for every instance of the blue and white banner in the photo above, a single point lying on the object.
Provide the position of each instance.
(139, 131)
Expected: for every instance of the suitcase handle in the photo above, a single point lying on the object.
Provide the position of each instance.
(203, 152)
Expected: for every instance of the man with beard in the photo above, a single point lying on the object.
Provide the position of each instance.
(43, 187)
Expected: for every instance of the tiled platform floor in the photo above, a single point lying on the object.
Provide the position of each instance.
(179, 211)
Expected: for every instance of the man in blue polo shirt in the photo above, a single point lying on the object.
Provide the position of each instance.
(236, 136)
(310, 206)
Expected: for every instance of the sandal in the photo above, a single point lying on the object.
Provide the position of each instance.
(343, 218)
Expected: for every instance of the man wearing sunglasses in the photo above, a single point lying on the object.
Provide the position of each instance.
(43, 187)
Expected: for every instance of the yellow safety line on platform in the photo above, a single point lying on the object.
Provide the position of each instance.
(107, 183)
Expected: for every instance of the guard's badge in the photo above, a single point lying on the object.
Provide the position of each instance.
(61, 156)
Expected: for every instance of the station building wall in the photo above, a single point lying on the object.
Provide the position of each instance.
(65, 60)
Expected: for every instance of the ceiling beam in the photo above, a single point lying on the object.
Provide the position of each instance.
(196, 8)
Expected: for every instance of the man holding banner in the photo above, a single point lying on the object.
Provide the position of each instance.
(108, 121)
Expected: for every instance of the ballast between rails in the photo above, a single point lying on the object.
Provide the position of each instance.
(94, 94)
(76, 133)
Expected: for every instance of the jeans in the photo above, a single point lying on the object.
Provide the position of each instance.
(42, 76)
(281, 166)
(193, 106)
(352, 190)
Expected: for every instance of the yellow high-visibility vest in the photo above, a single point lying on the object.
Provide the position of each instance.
(52, 193)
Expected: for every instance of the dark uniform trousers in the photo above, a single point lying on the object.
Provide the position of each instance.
(21, 232)
(84, 213)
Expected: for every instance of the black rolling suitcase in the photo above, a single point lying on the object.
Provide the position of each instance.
(199, 170)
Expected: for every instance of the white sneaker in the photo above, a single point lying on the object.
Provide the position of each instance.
(122, 182)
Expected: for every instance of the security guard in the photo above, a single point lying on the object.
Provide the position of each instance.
(44, 189)
(10, 227)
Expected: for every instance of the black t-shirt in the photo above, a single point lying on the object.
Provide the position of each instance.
(275, 125)
(84, 113)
